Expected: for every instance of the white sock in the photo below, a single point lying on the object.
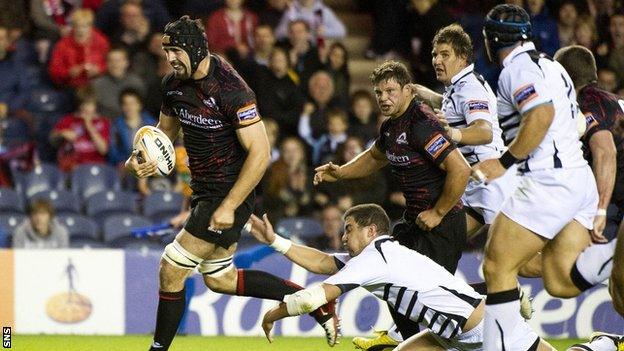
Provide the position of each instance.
(601, 343)
(504, 328)
(394, 333)
(594, 265)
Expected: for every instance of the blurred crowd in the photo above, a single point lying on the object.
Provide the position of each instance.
(80, 77)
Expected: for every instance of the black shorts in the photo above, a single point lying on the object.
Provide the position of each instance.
(444, 244)
(202, 208)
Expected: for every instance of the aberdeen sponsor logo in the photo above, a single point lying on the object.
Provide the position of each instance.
(397, 159)
(197, 120)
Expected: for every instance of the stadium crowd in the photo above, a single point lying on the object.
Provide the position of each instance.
(79, 78)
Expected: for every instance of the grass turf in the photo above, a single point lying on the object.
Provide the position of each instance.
(188, 343)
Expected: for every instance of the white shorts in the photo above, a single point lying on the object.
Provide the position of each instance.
(545, 201)
(469, 341)
(487, 200)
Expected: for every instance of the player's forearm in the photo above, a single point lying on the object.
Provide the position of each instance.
(604, 167)
(427, 95)
(361, 166)
(478, 133)
(250, 175)
(533, 129)
(311, 259)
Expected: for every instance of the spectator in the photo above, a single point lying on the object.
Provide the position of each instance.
(273, 134)
(607, 79)
(585, 33)
(83, 136)
(545, 32)
(322, 21)
(264, 42)
(303, 55)
(125, 126)
(109, 14)
(231, 27)
(155, 60)
(40, 230)
(278, 95)
(337, 65)
(14, 84)
(324, 149)
(273, 12)
(390, 29)
(362, 119)
(331, 239)
(568, 15)
(80, 56)
(117, 78)
(134, 30)
(350, 192)
(51, 22)
(312, 122)
(250, 64)
(183, 186)
(616, 54)
(288, 182)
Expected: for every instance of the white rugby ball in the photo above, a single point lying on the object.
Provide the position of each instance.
(155, 146)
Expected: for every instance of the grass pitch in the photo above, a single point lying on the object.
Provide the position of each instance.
(189, 343)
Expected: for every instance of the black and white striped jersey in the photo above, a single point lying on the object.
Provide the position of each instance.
(413, 284)
(469, 98)
(529, 79)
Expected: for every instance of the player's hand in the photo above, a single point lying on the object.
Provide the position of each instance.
(326, 173)
(442, 119)
(428, 220)
(488, 170)
(262, 229)
(140, 169)
(600, 222)
(267, 327)
(69, 135)
(222, 218)
(275, 313)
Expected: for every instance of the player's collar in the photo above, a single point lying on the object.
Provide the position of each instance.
(464, 72)
(526, 46)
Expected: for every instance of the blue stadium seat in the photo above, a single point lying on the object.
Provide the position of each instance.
(302, 227)
(64, 202)
(120, 226)
(89, 179)
(16, 132)
(140, 244)
(48, 99)
(106, 203)
(160, 206)
(85, 243)
(80, 227)
(9, 222)
(10, 202)
(42, 178)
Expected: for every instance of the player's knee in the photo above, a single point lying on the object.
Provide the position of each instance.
(170, 278)
(219, 274)
(490, 270)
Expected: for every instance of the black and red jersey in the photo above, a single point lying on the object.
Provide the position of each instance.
(210, 111)
(604, 111)
(415, 144)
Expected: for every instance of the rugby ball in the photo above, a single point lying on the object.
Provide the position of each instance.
(154, 145)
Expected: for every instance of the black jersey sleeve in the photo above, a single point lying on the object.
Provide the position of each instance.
(380, 142)
(239, 101)
(429, 137)
(166, 87)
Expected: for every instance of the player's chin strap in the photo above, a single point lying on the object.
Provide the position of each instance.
(306, 300)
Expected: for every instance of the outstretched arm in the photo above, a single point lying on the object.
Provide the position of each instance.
(362, 165)
(311, 259)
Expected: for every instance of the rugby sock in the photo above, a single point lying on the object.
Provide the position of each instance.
(480, 288)
(395, 334)
(170, 311)
(504, 328)
(593, 265)
(264, 285)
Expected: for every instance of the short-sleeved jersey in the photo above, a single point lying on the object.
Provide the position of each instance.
(530, 79)
(210, 110)
(469, 98)
(415, 144)
(413, 284)
(604, 111)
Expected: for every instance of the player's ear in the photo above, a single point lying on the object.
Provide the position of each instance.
(372, 233)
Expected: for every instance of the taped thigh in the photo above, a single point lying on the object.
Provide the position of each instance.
(179, 257)
(217, 267)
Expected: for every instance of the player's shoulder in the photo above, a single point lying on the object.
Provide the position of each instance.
(168, 79)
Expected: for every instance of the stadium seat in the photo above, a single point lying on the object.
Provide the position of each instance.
(106, 203)
(43, 177)
(120, 226)
(80, 227)
(16, 132)
(47, 99)
(10, 202)
(141, 244)
(302, 227)
(64, 202)
(9, 222)
(85, 243)
(162, 205)
(90, 179)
